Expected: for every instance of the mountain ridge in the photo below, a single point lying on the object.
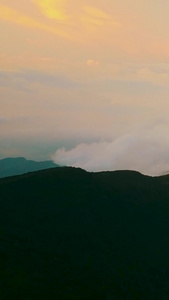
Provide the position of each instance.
(69, 234)
(12, 166)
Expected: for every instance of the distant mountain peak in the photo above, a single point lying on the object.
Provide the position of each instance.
(11, 166)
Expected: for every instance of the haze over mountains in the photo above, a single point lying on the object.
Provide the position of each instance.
(19, 165)
(69, 234)
(85, 84)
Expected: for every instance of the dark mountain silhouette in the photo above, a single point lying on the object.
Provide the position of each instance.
(69, 234)
(19, 165)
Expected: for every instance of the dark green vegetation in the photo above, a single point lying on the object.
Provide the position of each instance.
(68, 234)
(19, 165)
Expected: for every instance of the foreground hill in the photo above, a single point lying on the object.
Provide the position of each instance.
(16, 166)
(69, 234)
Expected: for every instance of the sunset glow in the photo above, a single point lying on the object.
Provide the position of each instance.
(83, 72)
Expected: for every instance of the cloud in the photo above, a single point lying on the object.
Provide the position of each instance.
(97, 16)
(97, 13)
(92, 62)
(8, 14)
(53, 9)
(85, 18)
(27, 80)
(145, 151)
(62, 18)
(60, 10)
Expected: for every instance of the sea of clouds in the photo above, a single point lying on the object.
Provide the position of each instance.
(146, 151)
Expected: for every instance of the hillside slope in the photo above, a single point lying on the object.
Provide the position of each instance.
(16, 166)
(70, 234)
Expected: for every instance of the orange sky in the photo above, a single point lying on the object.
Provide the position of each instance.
(81, 71)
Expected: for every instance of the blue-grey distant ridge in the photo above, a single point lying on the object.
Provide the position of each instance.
(12, 166)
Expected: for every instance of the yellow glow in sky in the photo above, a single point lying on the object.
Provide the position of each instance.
(11, 15)
(53, 9)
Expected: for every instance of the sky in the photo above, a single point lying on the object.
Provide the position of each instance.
(86, 83)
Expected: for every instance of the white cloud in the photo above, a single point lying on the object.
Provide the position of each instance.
(146, 151)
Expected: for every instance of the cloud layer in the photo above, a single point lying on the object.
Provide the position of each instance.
(146, 151)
